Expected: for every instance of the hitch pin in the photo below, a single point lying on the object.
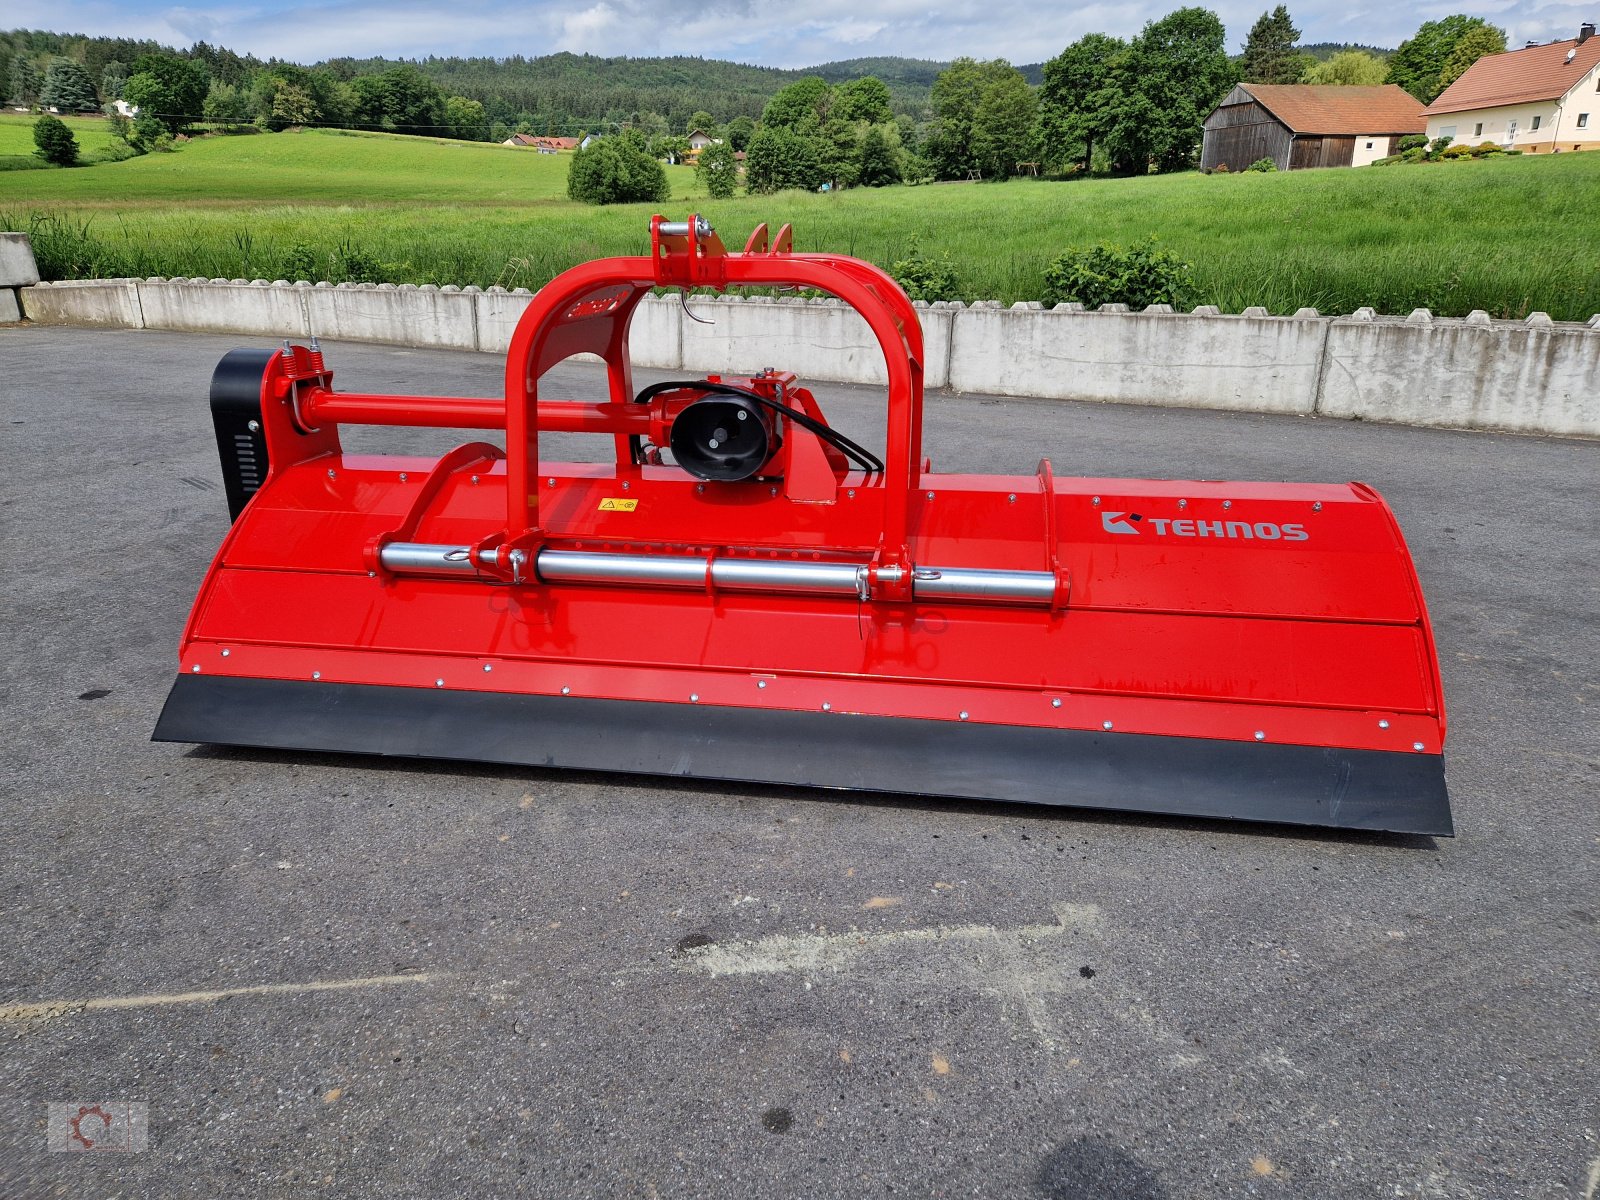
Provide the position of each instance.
(518, 557)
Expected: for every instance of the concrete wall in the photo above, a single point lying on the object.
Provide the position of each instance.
(17, 270)
(1533, 376)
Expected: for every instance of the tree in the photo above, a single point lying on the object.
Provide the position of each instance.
(803, 104)
(739, 132)
(1001, 125)
(958, 93)
(780, 158)
(1474, 44)
(412, 103)
(67, 87)
(465, 119)
(24, 81)
(838, 148)
(703, 121)
(865, 99)
(1348, 68)
(1081, 88)
(55, 141)
(617, 170)
(718, 170)
(112, 80)
(171, 89)
(1269, 53)
(1420, 61)
(1173, 75)
(226, 105)
(878, 165)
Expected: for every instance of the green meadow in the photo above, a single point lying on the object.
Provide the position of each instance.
(16, 137)
(1509, 235)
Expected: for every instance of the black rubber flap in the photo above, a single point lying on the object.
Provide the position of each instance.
(1302, 785)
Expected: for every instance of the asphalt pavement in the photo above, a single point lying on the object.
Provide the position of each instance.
(353, 977)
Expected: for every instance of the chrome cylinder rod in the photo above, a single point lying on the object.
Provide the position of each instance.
(844, 579)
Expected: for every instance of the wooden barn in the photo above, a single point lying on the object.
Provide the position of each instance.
(1299, 126)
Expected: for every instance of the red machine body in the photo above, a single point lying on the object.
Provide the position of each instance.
(826, 618)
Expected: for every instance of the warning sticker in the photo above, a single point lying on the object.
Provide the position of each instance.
(613, 504)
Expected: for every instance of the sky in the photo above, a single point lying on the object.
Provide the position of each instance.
(778, 33)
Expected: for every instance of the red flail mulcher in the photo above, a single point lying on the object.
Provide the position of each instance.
(748, 593)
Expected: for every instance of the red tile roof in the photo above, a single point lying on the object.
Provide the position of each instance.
(1307, 108)
(1520, 76)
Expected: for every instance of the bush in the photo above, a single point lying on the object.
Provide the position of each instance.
(1138, 275)
(1457, 152)
(616, 170)
(925, 278)
(1411, 141)
(55, 141)
(1485, 149)
(1413, 155)
(1262, 164)
(1438, 146)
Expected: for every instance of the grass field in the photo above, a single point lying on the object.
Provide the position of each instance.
(1508, 236)
(16, 136)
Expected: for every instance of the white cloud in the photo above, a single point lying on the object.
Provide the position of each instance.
(765, 31)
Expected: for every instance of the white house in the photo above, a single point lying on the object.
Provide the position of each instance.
(1540, 99)
(125, 109)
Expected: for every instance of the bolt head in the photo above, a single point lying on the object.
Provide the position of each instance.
(1383, 724)
(225, 653)
(826, 707)
(195, 670)
(438, 683)
(1056, 703)
(963, 715)
(930, 495)
(487, 667)
(1417, 746)
(254, 426)
(1012, 498)
(761, 683)
(402, 476)
(1261, 735)
(694, 697)
(566, 691)
(1106, 725)
(474, 479)
(316, 674)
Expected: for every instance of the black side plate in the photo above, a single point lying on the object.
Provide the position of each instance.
(1344, 789)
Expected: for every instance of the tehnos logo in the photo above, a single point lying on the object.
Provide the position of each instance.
(1264, 531)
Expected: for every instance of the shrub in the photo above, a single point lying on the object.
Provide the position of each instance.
(1484, 149)
(1138, 275)
(926, 278)
(55, 141)
(1457, 152)
(1413, 155)
(616, 170)
(1410, 141)
(1262, 164)
(1438, 146)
